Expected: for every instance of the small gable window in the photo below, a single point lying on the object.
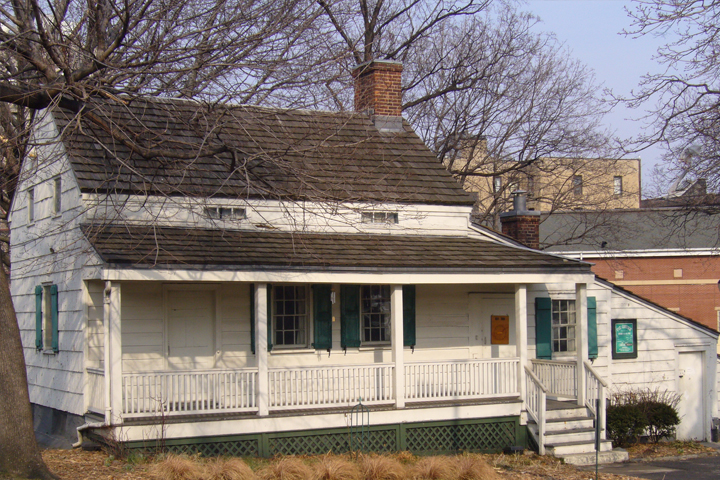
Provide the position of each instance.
(57, 196)
(617, 185)
(225, 213)
(379, 217)
(31, 204)
(577, 182)
(46, 318)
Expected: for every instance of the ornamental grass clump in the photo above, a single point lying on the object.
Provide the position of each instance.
(434, 468)
(286, 468)
(228, 469)
(330, 467)
(473, 467)
(375, 467)
(176, 467)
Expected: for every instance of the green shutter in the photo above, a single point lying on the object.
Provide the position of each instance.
(543, 328)
(38, 317)
(409, 315)
(252, 318)
(54, 316)
(269, 318)
(349, 316)
(322, 317)
(592, 327)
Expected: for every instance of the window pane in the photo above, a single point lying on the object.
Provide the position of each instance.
(375, 305)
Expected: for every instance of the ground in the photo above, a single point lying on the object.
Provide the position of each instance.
(81, 465)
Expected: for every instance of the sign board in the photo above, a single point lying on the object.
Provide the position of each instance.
(500, 330)
(624, 339)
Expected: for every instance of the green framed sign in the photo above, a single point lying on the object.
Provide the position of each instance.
(624, 338)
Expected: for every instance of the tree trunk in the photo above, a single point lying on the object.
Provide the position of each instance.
(19, 452)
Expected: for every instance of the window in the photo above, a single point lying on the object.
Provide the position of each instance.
(31, 205)
(375, 313)
(531, 184)
(289, 315)
(379, 217)
(46, 317)
(563, 325)
(497, 184)
(577, 185)
(57, 196)
(617, 185)
(225, 213)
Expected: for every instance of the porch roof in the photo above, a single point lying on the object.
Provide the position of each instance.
(148, 247)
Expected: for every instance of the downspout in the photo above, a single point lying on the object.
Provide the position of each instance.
(106, 369)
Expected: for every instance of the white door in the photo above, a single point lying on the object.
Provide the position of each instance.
(692, 407)
(482, 308)
(191, 327)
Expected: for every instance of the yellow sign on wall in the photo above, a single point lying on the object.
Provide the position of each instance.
(500, 327)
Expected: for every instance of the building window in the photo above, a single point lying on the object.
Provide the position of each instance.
(289, 315)
(577, 185)
(379, 217)
(375, 313)
(497, 184)
(531, 184)
(563, 325)
(57, 196)
(617, 185)
(46, 318)
(31, 205)
(225, 213)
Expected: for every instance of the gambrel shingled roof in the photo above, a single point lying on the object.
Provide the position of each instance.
(250, 152)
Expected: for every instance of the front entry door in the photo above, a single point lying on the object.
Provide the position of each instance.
(691, 407)
(190, 327)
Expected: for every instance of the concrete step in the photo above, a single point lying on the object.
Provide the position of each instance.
(613, 456)
(571, 448)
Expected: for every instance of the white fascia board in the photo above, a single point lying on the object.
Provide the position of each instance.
(669, 252)
(421, 278)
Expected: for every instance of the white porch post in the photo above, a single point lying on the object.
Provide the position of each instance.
(521, 346)
(581, 338)
(261, 349)
(396, 335)
(113, 351)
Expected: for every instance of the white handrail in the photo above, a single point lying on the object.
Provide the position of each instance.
(560, 377)
(536, 404)
(595, 389)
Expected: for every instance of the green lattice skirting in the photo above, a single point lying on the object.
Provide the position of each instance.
(478, 435)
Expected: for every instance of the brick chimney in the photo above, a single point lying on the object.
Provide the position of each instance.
(520, 223)
(378, 91)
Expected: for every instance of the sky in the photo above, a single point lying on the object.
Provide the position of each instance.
(591, 30)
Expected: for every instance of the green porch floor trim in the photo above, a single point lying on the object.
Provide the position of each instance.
(422, 438)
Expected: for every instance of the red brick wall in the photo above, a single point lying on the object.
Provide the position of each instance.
(695, 293)
(378, 87)
(524, 229)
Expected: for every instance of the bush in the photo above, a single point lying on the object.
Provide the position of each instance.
(662, 420)
(625, 423)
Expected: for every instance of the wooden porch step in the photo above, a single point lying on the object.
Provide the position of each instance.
(556, 424)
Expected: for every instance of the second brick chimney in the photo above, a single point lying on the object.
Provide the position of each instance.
(378, 88)
(520, 223)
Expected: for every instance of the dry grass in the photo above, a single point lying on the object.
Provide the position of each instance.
(434, 468)
(375, 467)
(473, 467)
(331, 467)
(228, 469)
(176, 467)
(286, 468)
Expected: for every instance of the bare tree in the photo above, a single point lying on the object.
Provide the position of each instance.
(683, 102)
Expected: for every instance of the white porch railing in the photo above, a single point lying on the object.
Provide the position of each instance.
(536, 405)
(188, 392)
(595, 388)
(316, 387)
(559, 377)
(96, 390)
(461, 379)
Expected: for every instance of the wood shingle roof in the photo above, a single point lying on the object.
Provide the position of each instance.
(138, 246)
(184, 148)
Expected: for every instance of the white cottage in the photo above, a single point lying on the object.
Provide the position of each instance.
(235, 280)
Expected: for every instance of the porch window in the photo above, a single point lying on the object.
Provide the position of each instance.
(375, 313)
(46, 318)
(563, 325)
(289, 315)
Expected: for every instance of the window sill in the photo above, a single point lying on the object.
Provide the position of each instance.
(288, 351)
(369, 348)
(50, 351)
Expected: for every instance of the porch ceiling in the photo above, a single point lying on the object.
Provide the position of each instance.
(153, 247)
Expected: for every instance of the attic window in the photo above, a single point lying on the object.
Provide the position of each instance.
(225, 213)
(379, 217)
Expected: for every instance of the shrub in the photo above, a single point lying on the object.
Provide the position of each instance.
(335, 468)
(176, 467)
(625, 423)
(228, 469)
(433, 468)
(662, 420)
(375, 467)
(286, 468)
(472, 467)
